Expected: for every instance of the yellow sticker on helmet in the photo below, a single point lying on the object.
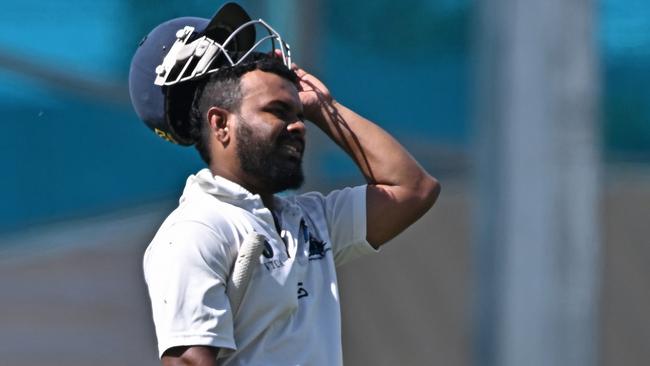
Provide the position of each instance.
(165, 135)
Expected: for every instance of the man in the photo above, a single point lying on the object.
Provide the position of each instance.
(246, 114)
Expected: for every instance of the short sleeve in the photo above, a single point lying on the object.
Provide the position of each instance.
(186, 268)
(344, 212)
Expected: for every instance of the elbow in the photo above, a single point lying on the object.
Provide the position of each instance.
(428, 191)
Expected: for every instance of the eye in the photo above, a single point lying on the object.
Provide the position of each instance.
(279, 112)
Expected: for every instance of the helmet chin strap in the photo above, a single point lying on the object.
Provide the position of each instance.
(189, 61)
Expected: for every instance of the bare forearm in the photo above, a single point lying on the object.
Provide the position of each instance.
(380, 157)
(399, 190)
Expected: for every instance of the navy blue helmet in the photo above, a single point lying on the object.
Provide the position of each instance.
(176, 54)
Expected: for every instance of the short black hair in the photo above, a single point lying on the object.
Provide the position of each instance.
(222, 88)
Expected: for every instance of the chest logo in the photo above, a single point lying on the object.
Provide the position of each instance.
(271, 263)
(268, 250)
(317, 248)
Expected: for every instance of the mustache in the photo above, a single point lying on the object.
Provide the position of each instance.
(291, 140)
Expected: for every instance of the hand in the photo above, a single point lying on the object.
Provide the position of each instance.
(313, 94)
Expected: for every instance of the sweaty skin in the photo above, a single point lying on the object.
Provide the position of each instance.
(399, 190)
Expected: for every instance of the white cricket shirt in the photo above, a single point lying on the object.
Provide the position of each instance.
(290, 313)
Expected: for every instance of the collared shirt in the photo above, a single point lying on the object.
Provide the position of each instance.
(290, 313)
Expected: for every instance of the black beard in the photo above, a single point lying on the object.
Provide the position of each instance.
(265, 161)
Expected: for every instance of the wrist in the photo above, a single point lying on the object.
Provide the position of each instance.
(321, 113)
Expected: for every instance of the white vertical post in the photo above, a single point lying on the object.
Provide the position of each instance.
(536, 232)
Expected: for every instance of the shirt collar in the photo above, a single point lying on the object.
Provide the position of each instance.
(227, 191)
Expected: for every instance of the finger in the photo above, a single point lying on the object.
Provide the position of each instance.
(300, 72)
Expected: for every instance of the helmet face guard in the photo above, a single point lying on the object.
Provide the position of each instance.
(189, 58)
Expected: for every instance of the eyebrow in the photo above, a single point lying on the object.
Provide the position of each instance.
(284, 105)
(279, 103)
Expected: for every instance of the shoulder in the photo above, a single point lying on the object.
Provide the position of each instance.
(315, 199)
(194, 234)
(195, 217)
(332, 202)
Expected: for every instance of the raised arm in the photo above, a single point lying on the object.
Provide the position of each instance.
(399, 190)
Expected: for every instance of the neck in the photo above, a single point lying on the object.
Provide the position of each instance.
(268, 201)
(244, 181)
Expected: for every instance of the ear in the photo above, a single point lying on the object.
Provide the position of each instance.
(218, 121)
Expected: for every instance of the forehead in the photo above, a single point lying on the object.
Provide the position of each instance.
(260, 87)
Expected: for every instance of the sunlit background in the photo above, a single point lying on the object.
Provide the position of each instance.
(86, 184)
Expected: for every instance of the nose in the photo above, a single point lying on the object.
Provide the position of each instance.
(297, 127)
